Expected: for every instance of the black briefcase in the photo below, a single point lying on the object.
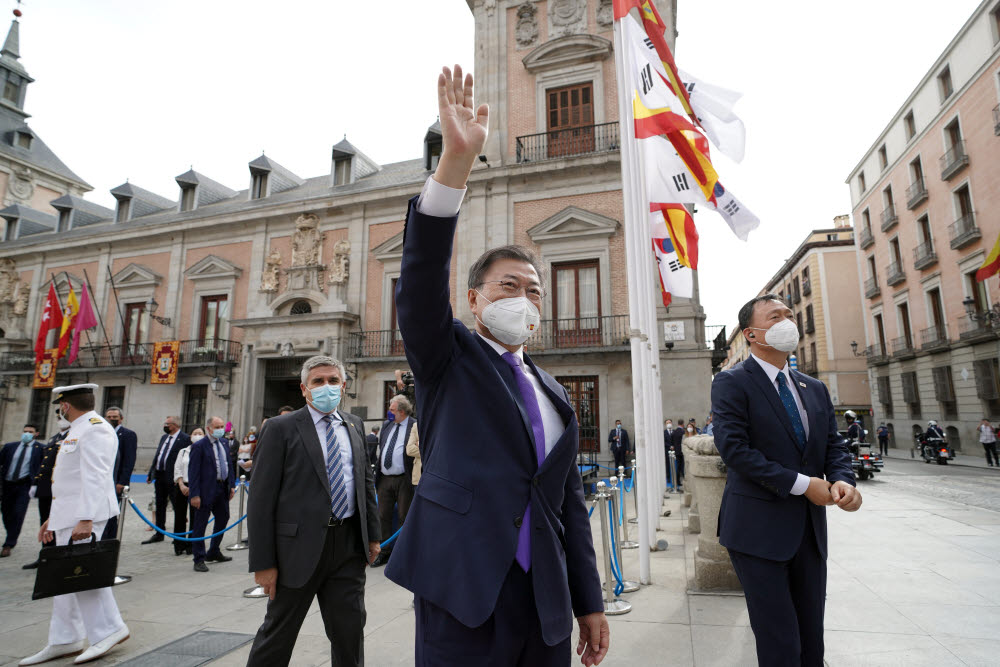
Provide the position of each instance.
(72, 568)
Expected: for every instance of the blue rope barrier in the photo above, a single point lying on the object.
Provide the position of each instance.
(611, 469)
(615, 568)
(394, 536)
(628, 485)
(591, 512)
(179, 537)
(621, 510)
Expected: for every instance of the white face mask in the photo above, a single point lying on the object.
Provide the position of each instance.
(782, 336)
(63, 423)
(511, 321)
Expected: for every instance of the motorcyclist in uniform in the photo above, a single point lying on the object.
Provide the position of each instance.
(855, 432)
(935, 431)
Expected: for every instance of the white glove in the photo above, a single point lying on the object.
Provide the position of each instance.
(31, 491)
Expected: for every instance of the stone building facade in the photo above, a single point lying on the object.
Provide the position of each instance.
(253, 281)
(925, 201)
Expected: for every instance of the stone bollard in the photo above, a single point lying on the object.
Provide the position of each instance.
(712, 568)
(691, 490)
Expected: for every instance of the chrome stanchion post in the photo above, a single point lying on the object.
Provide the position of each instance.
(239, 546)
(613, 606)
(623, 541)
(673, 472)
(121, 578)
(627, 586)
(635, 492)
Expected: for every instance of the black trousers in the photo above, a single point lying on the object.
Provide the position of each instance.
(786, 601)
(179, 503)
(393, 490)
(219, 508)
(44, 506)
(511, 636)
(621, 456)
(162, 487)
(111, 527)
(991, 451)
(883, 446)
(13, 508)
(339, 584)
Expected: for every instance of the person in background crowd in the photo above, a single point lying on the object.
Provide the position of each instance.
(988, 439)
(394, 470)
(709, 428)
(285, 409)
(18, 464)
(83, 493)
(242, 454)
(181, 479)
(668, 436)
(253, 445)
(161, 473)
(124, 461)
(620, 445)
(413, 449)
(42, 482)
(883, 439)
(692, 422)
(212, 485)
(676, 438)
(371, 444)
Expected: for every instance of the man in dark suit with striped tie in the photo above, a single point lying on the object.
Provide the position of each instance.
(313, 519)
(394, 469)
(777, 433)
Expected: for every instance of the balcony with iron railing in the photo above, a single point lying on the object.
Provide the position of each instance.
(916, 194)
(810, 326)
(565, 336)
(808, 367)
(872, 288)
(924, 255)
(933, 337)
(875, 355)
(889, 217)
(902, 347)
(95, 358)
(996, 120)
(981, 328)
(569, 142)
(953, 161)
(866, 238)
(806, 288)
(964, 231)
(894, 274)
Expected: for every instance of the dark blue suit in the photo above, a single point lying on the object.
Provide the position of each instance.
(456, 550)
(203, 483)
(124, 464)
(777, 541)
(14, 495)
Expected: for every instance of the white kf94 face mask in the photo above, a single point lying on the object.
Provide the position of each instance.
(782, 336)
(511, 321)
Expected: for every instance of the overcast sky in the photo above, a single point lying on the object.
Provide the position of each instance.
(145, 90)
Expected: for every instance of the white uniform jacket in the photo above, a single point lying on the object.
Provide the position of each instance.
(83, 488)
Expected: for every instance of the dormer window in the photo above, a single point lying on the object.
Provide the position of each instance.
(258, 185)
(12, 89)
(189, 198)
(23, 140)
(122, 212)
(10, 231)
(342, 171)
(64, 220)
(433, 154)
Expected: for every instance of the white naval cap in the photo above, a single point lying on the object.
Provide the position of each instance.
(60, 393)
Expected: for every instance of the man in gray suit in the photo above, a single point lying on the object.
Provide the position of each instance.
(314, 522)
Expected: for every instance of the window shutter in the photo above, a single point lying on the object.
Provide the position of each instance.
(986, 379)
(910, 387)
(884, 390)
(944, 390)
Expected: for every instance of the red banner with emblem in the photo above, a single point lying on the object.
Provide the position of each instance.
(165, 358)
(45, 370)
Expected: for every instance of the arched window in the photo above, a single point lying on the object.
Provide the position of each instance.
(301, 308)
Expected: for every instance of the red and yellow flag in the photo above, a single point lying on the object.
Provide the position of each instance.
(68, 320)
(683, 234)
(992, 264)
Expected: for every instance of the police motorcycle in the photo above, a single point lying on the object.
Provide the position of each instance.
(932, 445)
(864, 461)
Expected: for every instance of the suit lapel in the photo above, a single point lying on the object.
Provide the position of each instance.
(770, 393)
(314, 450)
(812, 411)
(507, 378)
(359, 456)
(555, 392)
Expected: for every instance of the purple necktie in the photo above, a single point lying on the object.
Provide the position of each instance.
(523, 554)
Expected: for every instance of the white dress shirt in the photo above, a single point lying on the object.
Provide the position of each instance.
(181, 464)
(551, 421)
(161, 462)
(439, 200)
(346, 454)
(802, 482)
(396, 467)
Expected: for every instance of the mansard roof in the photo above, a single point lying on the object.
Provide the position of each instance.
(29, 221)
(209, 191)
(281, 179)
(84, 212)
(144, 202)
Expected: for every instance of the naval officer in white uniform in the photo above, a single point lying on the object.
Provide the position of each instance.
(83, 499)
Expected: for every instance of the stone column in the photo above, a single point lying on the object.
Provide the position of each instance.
(690, 489)
(712, 567)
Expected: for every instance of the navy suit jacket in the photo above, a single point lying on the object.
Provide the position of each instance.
(754, 435)
(479, 465)
(180, 442)
(8, 451)
(125, 459)
(624, 441)
(202, 474)
(383, 443)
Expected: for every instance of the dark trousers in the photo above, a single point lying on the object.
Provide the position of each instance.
(339, 583)
(991, 451)
(786, 601)
(511, 636)
(111, 527)
(883, 446)
(181, 508)
(393, 490)
(219, 508)
(13, 507)
(621, 456)
(162, 487)
(44, 505)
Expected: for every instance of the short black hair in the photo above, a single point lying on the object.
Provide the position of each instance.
(30, 425)
(746, 312)
(477, 271)
(285, 408)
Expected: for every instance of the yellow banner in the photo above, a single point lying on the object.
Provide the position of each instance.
(45, 371)
(165, 358)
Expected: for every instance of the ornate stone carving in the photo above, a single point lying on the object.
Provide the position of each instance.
(307, 241)
(272, 271)
(526, 30)
(21, 186)
(567, 17)
(8, 280)
(21, 302)
(340, 267)
(490, 6)
(605, 14)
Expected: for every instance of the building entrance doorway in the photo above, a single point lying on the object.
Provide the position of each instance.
(281, 384)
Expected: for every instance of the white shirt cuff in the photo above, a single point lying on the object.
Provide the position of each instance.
(800, 486)
(439, 201)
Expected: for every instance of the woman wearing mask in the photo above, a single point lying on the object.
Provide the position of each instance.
(244, 452)
(181, 476)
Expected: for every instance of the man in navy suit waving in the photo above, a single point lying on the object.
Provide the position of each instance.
(497, 545)
(777, 433)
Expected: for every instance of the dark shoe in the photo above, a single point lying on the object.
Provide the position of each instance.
(200, 567)
(218, 558)
(189, 550)
(382, 559)
(30, 566)
(5, 552)
(153, 539)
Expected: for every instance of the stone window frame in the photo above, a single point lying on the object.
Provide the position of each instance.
(933, 281)
(132, 292)
(591, 73)
(970, 263)
(389, 253)
(217, 283)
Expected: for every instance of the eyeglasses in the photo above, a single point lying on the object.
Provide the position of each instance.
(511, 289)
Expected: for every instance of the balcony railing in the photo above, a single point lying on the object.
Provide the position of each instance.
(380, 344)
(916, 194)
(872, 288)
(976, 329)
(810, 326)
(889, 217)
(808, 367)
(996, 120)
(953, 161)
(964, 231)
(806, 288)
(924, 255)
(866, 238)
(134, 355)
(933, 337)
(894, 274)
(875, 354)
(902, 347)
(568, 142)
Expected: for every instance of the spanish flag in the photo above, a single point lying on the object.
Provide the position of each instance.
(992, 264)
(68, 320)
(683, 234)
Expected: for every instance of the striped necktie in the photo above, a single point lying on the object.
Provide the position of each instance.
(335, 471)
(787, 400)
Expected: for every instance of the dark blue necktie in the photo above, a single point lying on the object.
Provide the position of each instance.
(793, 411)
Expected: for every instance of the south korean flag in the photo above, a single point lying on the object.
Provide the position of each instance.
(676, 280)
